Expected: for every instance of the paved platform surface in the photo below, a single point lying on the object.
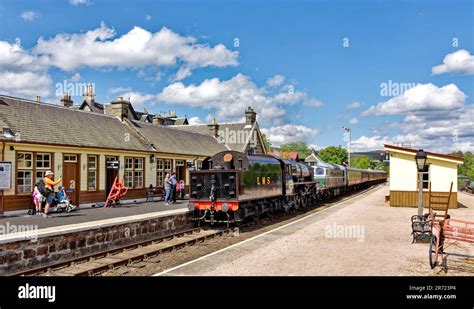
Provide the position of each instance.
(360, 236)
(83, 215)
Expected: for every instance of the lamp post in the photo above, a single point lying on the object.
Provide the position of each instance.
(347, 138)
(420, 159)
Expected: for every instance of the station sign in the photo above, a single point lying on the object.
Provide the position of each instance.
(113, 165)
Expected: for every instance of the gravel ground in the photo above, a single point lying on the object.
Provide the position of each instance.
(360, 236)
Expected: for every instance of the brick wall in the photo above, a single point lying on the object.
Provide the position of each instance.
(27, 254)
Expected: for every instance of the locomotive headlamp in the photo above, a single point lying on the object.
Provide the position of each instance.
(225, 207)
(420, 159)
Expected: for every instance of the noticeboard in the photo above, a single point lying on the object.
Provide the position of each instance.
(5, 175)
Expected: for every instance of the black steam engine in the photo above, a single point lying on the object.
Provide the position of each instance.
(232, 186)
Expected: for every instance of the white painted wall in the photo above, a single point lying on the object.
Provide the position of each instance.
(403, 173)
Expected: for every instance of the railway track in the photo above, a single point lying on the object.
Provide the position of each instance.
(128, 256)
(148, 257)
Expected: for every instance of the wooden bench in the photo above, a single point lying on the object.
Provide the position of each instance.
(151, 193)
(422, 226)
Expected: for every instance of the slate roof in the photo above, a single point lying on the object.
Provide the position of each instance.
(168, 139)
(54, 124)
(204, 129)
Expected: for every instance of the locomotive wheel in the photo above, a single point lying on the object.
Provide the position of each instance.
(433, 252)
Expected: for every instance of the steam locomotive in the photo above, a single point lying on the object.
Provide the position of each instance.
(232, 186)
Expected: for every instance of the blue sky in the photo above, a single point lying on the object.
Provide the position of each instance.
(301, 64)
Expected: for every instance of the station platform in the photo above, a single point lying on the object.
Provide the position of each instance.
(30, 241)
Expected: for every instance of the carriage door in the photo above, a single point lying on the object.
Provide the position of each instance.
(112, 168)
(71, 179)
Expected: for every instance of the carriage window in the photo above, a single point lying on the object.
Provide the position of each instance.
(319, 171)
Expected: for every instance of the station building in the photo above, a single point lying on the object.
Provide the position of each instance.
(441, 170)
(90, 144)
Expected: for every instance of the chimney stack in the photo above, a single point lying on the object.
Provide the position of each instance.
(157, 120)
(214, 127)
(250, 116)
(66, 100)
(120, 108)
(38, 98)
(89, 96)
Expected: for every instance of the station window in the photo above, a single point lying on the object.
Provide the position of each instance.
(168, 165)
(179, 162)
(31, 167)
(42, 164)
(159, 173)
(92, 173)
(70, 158)
(134, 172)
(198, 164)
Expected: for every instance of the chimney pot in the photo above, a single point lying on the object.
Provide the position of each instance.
(214, 127)
(38, 98)
(250, 116)
(66, 100)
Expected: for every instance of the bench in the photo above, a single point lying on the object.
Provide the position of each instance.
(151, 193)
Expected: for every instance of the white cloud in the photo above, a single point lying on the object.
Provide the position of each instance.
(78, 2)
(279, 135)
(423, 98)
(464, 146)
(25, 84)
(354, 121)
(138, 48)
(75, 78)
(29, 15)
(231, 97)
(460, 61)
(139, 99)
(312, 102)
(120, 89)
(354, 105)
(365, 143)
(276, 80)
(315, 147)
(14, 58)
(194, 120)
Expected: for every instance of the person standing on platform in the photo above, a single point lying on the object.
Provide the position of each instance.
(167, 189)
(173, 187)
(49, 184)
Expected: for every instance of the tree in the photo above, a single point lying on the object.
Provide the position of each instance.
(333, 155)
(300, 147)
(266, 142)
(361, 162)
(466, 169)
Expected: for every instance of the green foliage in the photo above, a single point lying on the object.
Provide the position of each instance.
(267, 143)
(466, 169)
(333, 155)
(362, 162)
(300, 147)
